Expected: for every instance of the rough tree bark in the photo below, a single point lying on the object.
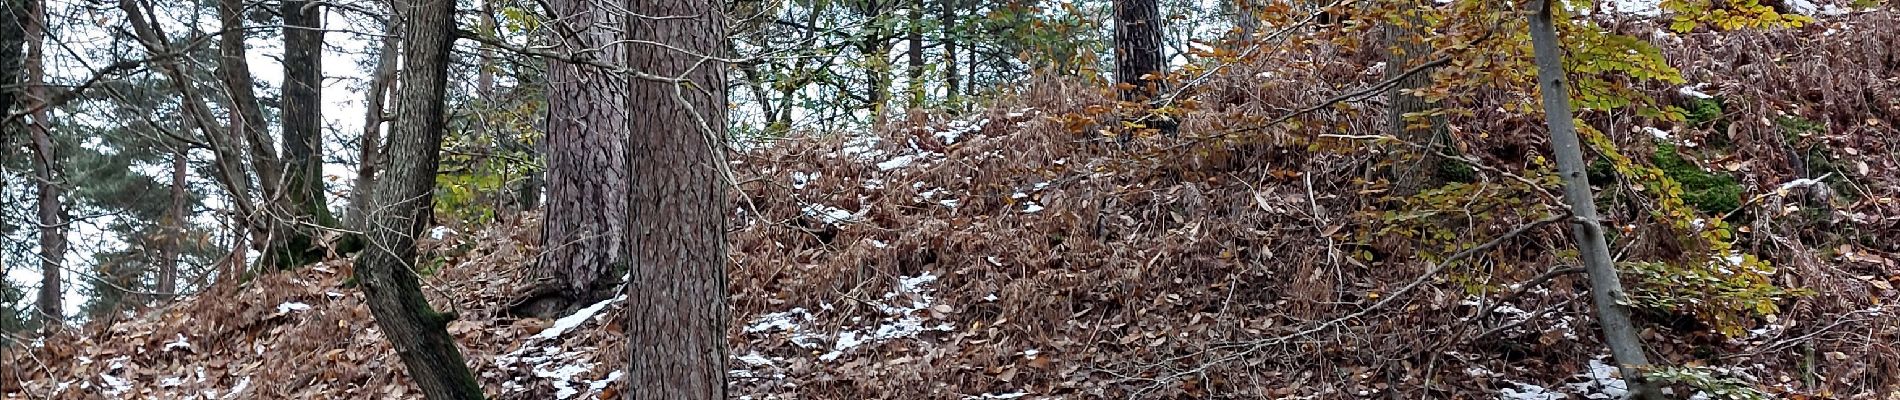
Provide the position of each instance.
(1405, 48)
(369, 157)
(1138, 47)
(585, 223)
(676, 293)
(52, 222)
(300, 208)
(402, 206)
(1605, 290)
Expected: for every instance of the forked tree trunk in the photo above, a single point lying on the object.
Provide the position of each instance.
(677, 291)
(300, 209)
(585, 223)
(1605, 290)
(402, 208)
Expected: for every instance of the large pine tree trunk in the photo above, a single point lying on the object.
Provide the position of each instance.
(52, 212)
(1605, 290)
(585, 223)
(402, 208)
(677, 291)
(1138, 47)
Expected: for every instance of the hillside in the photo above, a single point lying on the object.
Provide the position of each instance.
(1017, 252)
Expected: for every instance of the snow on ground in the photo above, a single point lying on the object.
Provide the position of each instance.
(905, 315)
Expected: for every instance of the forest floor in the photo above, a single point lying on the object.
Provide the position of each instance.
(1018, 253)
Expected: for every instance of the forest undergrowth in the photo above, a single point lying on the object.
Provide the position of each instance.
(1029, 250)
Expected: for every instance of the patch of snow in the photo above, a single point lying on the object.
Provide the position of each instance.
(778, 321)
(1032, 208)
(1799, 183)
(1695, 91)
(242, 384)
(952, 203)
(1526, 391)
(114, 385)
(990, 297)
(561, 376)
(179, 343)
(439, 232)
(873, 184)
(1643, 8)
(756, 360)
(989, 396)
(897, 162)
(1658, 133)
(879, 243)
(829, 214)
(576, 319)
(333, 295)
(801, 178)
(1019, 195)
(1604, 382)
(597, 386)
(170, 382)
(290, 306)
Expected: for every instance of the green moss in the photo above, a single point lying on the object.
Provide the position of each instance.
(1710, 193)
(1704, 111)
(1456, 171)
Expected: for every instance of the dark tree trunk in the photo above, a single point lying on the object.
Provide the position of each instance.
(914, 54)
(248, 123)
(52, 213)
(585, 223)
(12, 71)
(381, 85)
(1406, 48)
(402, 207)
(300, 208)
(1138, 47)
(677, 291)
(1605, 288)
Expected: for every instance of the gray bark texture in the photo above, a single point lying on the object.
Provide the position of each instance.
(52, 212)
(585, 222)
(676, 294)
(369, 157)
(401, 209)
(1605, 290)
(1406, 48)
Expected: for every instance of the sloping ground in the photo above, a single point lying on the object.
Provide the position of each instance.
(1020, 253)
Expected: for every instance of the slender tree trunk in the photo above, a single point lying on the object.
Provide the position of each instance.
(12, 72)
(402, 208)
(300, 207)
(52, 221)
(677, 291)
(248, 123)
(947, 29)
(585, 225)
(1605, 290)
(1406, 47)
(381, 86)
(174, 230)
(914, 54)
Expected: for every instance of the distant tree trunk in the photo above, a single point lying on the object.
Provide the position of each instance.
(947, 29)
(584, 227)
(1138, 47)
(174, 230)
(300, 208)
(402, 206)
(1605, 288)
(52, 213)
(914, 54)
(12, 71)
(677, 314)
(1245, 17)
(1406, 48)
(381, 86)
